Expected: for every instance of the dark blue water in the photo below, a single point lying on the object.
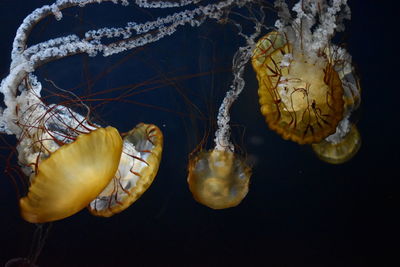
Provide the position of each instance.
(299, 211)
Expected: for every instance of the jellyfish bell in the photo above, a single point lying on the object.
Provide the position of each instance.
(218, 179)
(72, 176)
(300, 97)
(140, 159)
(339, 149)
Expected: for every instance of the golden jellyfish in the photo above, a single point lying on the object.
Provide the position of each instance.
(218, 179)
(139, 164)
(300, 97)
(341, 150)
(72, 176)
(302, 87)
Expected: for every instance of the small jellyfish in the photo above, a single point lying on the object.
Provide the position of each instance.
(300, 95)
(337, 150)
(72, 176)
(218, 179)
(140, 159)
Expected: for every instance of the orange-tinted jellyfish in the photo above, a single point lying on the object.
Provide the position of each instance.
(300, 96)
(218, 179)
(341, 151)
(140, 159)
(68, 179)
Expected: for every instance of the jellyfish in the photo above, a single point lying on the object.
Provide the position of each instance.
(300, 99)
(137, 169)
(302, 89)
(219, 178)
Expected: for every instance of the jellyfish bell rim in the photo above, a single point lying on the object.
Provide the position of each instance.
(57, 192)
